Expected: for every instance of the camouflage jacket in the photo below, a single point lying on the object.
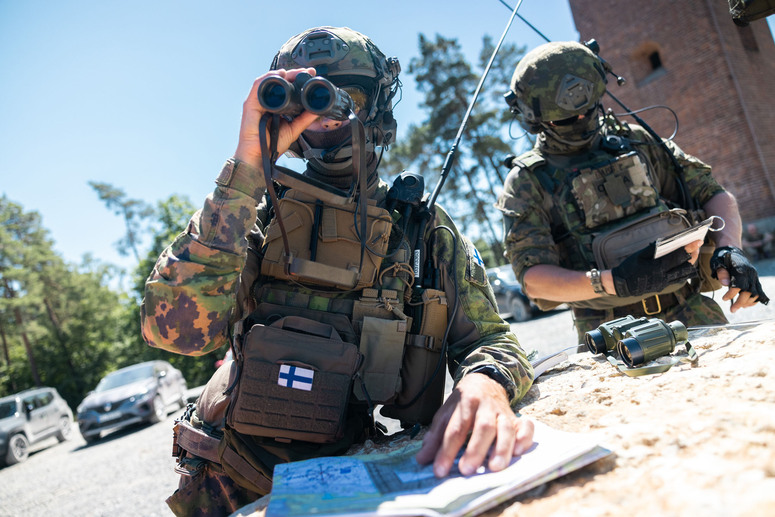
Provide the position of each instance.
(531, 230)
(190, 304)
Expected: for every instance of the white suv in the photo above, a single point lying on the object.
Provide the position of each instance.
(29, 417)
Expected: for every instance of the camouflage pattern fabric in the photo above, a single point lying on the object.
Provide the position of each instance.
(347, 52)
(529, 238)
(209, 492)
(190, 301)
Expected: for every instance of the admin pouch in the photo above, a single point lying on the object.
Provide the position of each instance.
(612, 247)
(324, 243)
(295, 380)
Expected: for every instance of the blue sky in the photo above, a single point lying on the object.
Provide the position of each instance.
(147, 95)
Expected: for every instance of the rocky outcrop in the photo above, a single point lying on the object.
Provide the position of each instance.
(696, 440)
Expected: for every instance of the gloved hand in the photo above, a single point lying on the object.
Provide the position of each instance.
(742, 274)
(641, 273)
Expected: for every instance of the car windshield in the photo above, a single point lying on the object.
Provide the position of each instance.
(7, 409)
(124, 377)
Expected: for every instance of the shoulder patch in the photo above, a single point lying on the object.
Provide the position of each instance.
(475, 270)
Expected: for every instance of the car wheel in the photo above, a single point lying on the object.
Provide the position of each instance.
(159, 412)
(18, 449)
(65, 428)
(92, 438)
(519, 309)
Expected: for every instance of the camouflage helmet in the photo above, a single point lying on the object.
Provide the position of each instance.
(347, 57)
(555, 81)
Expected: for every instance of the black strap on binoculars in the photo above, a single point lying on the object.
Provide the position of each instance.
(691, 357)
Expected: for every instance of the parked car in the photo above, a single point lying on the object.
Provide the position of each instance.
(29, 417)
(512, 301)
(142, 392)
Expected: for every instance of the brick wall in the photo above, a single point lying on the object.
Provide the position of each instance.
(715, 75)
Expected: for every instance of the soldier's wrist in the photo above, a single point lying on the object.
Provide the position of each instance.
(607, 278)
(491, 371)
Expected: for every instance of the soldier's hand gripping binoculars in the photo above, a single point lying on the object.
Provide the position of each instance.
(637, 340)
(315, 94)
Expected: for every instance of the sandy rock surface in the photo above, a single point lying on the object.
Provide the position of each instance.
(695, 440)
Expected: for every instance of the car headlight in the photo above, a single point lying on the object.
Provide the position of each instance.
(142, 396)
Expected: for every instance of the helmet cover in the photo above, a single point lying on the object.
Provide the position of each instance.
(556, 81)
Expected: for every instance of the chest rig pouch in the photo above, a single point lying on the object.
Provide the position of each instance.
(295, 381)
(325, 243)
(613, 189)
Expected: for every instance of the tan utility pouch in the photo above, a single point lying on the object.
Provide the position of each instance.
(325, 243)
(420, 369)
(611, 248)
(295, 381)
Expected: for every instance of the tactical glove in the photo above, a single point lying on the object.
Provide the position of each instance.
(641, 273)
(742, 274)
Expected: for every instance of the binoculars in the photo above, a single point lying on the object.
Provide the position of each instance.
(315, 94)
(637, 340)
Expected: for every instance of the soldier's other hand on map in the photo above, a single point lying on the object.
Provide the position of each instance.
(478, 407)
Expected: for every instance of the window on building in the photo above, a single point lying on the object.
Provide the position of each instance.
(655, 60)
(647, 64)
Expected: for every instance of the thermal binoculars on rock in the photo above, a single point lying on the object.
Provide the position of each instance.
(637, 340)
(315, 94)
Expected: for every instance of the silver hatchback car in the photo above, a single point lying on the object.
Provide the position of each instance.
(29, 417)
(142, 392)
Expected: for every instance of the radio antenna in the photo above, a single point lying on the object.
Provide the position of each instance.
(453, 150)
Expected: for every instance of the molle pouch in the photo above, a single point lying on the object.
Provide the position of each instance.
(295, 381)
(383, 325)
(382, 346)
(325, 243)
(612, 247)
(613, 189)
(422, 370)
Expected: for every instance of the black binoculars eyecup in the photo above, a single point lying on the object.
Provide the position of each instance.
(277, 95)
(631, 352)
(595, 341)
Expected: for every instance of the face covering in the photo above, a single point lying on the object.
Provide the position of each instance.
(569, 137)
(329, 156)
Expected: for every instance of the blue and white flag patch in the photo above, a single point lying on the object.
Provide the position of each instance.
(295, 377)
(475, 270)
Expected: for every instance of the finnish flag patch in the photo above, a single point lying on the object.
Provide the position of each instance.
(295, 377)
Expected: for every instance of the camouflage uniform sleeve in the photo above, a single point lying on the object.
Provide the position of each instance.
(190, 294)
(479, 340)
(697, 174)
(526, 225)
